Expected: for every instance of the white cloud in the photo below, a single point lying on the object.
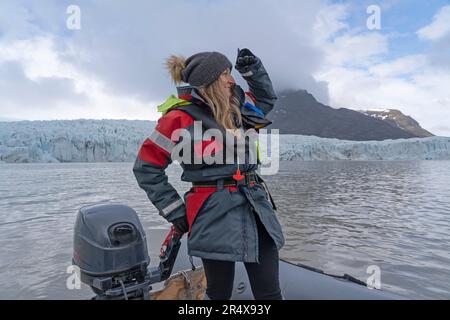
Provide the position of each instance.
(400, 67)
(358, 50)
(38, 57)
(360, 77)
(37, 85)
(440, 26)
(330, 20)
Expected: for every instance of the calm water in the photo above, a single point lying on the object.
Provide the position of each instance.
(341, 217)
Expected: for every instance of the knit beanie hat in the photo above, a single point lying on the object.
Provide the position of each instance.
(204, 68)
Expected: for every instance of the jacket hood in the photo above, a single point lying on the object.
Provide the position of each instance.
(186, 95)
(171, 102)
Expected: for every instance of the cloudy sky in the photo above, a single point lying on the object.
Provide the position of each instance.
(112, 66)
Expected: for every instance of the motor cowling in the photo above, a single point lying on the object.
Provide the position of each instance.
(110, 247)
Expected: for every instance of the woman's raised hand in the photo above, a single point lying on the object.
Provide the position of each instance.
(245, 58)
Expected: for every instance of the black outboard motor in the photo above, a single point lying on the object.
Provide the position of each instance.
(110, 249)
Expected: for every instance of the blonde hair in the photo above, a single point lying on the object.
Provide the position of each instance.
(224, 109)
(176, 64)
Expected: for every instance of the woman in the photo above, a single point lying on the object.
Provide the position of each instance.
(227, 212)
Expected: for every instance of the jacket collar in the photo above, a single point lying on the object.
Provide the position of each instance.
(191, 94)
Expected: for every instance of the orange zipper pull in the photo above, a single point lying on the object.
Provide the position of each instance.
(237, 176)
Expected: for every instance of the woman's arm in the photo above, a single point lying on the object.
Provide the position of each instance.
(259, 83)
(154, 158)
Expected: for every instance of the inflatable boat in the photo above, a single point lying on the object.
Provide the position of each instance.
(110, 249)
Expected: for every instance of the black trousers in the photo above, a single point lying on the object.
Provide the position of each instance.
(263, 276)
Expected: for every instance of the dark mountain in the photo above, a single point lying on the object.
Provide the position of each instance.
(298, 112)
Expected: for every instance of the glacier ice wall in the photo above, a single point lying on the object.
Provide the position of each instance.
(119, 140)
(72, 140)
(296, 147)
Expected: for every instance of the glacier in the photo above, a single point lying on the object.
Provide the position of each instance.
(72, 140)
(296, 147)
(88, 140)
